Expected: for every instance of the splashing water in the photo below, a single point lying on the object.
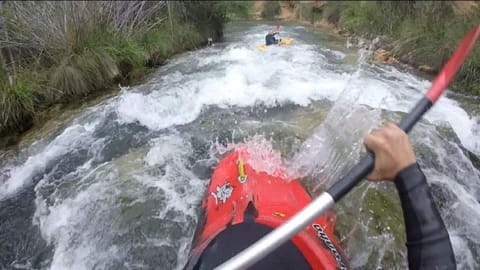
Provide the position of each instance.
(336, 143)
(260, 155)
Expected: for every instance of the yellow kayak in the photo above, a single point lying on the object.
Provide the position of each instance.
(282, 42)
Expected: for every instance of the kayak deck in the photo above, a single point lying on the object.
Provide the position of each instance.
(235, 186)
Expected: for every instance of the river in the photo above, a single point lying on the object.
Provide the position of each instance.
(118, 184)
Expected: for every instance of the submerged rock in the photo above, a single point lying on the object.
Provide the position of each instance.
(384, 56)
(427, 69)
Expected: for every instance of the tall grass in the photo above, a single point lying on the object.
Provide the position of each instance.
(69, 49)
(423, 32)
(79, 73)
(18, 100)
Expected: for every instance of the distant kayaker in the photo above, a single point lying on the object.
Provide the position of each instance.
(272, 38)
(276, 35)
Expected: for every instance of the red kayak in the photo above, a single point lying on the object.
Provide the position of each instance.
(236, 188)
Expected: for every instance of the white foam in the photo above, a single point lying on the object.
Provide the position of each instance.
(465, 206)
(337, 54)
(465, 260)
(402, 94)
(71, 138)
(466, 127)
(260, 156)
(280, 75)
(85, 219)
(172, 152)
(165, 149)
(74, 249)
(249, 78)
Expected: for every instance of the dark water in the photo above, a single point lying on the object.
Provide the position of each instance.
(119, 185)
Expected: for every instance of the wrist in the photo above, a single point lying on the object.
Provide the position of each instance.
(402, 167)
(409, 178)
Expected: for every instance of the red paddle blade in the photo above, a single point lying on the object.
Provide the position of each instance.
(278, 27)
(453, 65)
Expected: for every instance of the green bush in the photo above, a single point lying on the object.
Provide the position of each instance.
(187, 38)
(332, 12)
(468, 79)
(359, 17)
(270, 10)
(129, 56)
(158, 46)
(305, 12)
(425, 33)
(79, 74)
(17, 101)
(208, 17)
(238, 10)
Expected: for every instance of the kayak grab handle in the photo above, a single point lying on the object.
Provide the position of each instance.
(327, 199)
(242, 176)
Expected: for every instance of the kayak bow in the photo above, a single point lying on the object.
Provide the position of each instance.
(282, 42)
(237, 189)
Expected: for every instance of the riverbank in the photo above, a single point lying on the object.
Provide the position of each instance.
(416, 35)
(57, 55)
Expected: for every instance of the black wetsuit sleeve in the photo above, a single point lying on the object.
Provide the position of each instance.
(428, 242)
